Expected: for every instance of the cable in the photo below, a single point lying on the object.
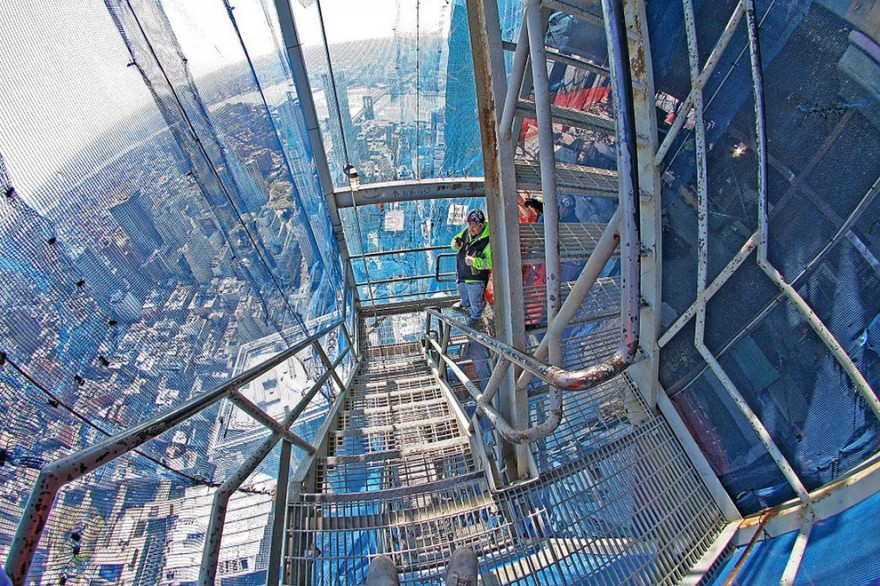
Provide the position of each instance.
(357, 220)
(214, 171)
(55, 400)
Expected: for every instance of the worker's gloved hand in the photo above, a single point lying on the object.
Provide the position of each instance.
(469, 261)
(459, 242)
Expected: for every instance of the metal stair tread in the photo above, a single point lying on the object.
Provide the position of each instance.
(576, 241)
(393, 473)
(575, 61)
(398, 380)
(399, 426)
(576, 179)
(575, 8)
(392, 409)
(402, 452)
(601, 303)
(471, 478)
(568, 116)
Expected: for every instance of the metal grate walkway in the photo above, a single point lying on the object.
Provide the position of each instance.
(617, 501)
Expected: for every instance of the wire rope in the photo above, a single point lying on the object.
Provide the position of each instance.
(214, 171)
(357, 220)
(56, 401)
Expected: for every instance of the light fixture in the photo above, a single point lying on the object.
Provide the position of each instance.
(354, 180)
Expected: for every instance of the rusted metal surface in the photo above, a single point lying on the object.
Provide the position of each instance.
(214, 537)
(500, 174)
(628, 174)
(556, 377)
(55, 475)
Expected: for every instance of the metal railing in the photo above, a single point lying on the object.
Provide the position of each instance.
(623, 228)
(54, 476)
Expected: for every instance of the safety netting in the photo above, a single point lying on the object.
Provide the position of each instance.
(841, 550)
(163, 231)
(807, 381)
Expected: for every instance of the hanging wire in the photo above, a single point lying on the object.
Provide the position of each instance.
(307, 225)
(348, 162)
(202, 149)
(55, 401)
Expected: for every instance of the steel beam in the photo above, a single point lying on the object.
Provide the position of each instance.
(55, 475)
(400, 191)
(798, 550)
(310, 116)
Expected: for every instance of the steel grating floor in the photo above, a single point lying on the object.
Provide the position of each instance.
(617, 501)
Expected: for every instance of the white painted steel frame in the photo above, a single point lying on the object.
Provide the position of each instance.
(759, 240)
(501, 204)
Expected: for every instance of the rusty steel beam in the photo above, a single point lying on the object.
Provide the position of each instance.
(55, 475)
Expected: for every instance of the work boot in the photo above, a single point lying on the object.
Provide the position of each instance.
(463, 568)
(457, 306)
(382, 572)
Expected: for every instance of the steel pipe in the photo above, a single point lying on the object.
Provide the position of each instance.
(603, 252)
(547, 161)
(514, 83)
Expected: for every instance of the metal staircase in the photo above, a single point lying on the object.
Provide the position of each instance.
(399, 478)
(617, 501)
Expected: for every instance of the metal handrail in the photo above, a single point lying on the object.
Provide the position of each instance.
(57, 474)
(437, 273)
(558, 378)
(213, 542)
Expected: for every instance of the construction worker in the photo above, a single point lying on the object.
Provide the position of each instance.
(473, 263)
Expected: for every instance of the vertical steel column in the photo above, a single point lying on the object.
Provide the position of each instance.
(645, 373)
(500, 185)
(310, 115)
(547, 159)
(628, 175)
(279, 517)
